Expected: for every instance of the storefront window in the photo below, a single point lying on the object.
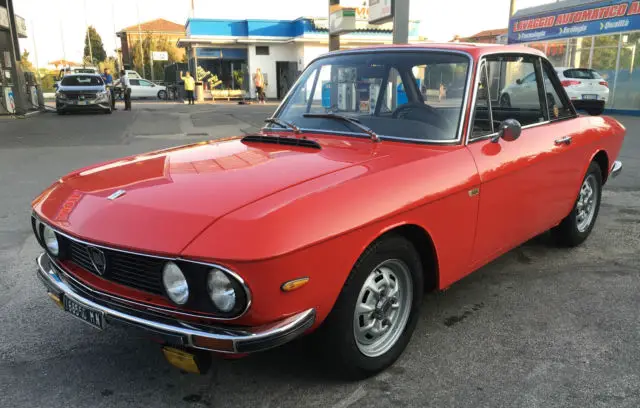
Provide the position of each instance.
(627, 86)
(578, 52)
(557, 52)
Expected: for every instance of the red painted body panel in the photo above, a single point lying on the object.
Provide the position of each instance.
(273, 213)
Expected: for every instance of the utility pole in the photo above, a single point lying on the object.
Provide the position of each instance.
(88, 32)
(144, 74)
(401, 21)
(193, 10)
(64, 52)
(113, 19)
(35, 47)
(512, 9)
(334, 39)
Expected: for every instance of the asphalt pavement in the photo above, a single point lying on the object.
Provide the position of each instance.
(539, 327)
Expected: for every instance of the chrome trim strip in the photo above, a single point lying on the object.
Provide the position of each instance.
(242, 282)
(546, 122)
(294, 325)
(465, 99)
(616, 169)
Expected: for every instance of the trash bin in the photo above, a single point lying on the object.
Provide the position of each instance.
(199, 91)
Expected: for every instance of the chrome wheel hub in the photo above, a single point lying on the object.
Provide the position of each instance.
(586, 205)
(383, 308)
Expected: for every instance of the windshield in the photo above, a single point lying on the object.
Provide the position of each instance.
(411, 95)
(82, 80)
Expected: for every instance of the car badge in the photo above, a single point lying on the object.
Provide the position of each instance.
(98, 260)
(117, 194)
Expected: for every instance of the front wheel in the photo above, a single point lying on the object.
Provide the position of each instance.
(377, 311)
(577, 226)
(505, 101)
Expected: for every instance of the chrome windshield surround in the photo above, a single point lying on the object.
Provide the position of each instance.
(465, 99)
(237, 277)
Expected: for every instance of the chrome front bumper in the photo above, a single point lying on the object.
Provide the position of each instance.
(223, 339)
(616, 168)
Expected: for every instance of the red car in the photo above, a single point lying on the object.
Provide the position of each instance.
(367, 188)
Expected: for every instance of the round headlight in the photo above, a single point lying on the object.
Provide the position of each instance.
(50, 240)
(175, 283)
(221, 290)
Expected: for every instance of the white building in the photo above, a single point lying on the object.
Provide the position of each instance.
(234, 49)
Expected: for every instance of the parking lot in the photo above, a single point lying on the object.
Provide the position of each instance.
(539, 327)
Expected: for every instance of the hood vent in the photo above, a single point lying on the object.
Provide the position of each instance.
(287, 141)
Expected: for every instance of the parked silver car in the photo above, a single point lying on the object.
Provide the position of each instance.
(83, 92)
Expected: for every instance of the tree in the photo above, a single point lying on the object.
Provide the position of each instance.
(26, 64)
(97, 48)
(141, 54)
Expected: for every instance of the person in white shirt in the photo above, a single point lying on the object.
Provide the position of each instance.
(126, 89)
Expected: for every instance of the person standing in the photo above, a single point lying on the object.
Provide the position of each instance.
(126, 89)
(258, 81)
(189, 86)
(108, 81)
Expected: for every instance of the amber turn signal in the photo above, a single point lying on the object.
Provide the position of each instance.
(294, 284)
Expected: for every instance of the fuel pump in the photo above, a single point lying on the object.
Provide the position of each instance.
(7, 100)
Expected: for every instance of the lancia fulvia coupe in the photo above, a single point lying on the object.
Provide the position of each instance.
(367, 187)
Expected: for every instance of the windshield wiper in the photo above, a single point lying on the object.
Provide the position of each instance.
(355, 122)
(284, 124)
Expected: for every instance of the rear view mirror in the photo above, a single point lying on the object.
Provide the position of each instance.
(519, 81)
(510, 130)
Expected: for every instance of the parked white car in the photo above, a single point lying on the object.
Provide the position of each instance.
(585, 87)
(142, 88)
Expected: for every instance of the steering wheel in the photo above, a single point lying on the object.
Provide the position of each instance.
(423, 113)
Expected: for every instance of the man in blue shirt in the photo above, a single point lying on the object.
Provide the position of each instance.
(108, 81)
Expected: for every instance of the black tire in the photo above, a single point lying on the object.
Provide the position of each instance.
(59, 112)
(568, 233)
(162, 95)
(505, 101)
(336, 336)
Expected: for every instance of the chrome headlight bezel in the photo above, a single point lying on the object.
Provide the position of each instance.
(175, 284)
(60, 95)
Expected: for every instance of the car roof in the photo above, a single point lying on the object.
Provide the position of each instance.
(477, 50)
(83, 74)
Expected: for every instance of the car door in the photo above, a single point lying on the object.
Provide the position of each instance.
(136, 89)
(147, 88)
(518, 178)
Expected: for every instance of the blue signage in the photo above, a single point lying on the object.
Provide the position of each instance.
(606, 17)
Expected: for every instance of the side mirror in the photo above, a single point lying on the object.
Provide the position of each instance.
(55, 86)
(519, 81)
(510, 130)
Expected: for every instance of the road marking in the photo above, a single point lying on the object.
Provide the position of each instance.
(355, 396)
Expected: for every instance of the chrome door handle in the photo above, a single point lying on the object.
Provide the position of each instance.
(563, 140)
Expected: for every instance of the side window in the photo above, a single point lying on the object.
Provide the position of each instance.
(134, 82)
(482, 121)
(145, 83)
(509, 87)
(559, 106)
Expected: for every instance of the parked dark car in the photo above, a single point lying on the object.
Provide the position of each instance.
(82, 92)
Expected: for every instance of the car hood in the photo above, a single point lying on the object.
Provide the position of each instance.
(96, 88)
(169, 197)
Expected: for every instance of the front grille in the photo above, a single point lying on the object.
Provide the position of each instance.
(136, 271)
(80, 95)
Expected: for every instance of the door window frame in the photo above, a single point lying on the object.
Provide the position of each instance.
(542, 94)
(562, 94)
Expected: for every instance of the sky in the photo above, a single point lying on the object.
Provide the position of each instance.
(56, 29)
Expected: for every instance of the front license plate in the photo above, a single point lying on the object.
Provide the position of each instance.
(82, 312)
(589, 96)
(82, 103)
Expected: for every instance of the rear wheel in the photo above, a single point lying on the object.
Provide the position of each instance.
(577, 226)
(377, 310)
(162, 94)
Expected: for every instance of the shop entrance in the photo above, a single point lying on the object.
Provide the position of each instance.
(286, 73)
